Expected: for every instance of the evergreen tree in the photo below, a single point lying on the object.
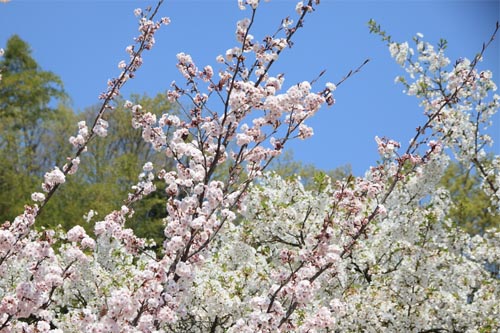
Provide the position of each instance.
(27, 96)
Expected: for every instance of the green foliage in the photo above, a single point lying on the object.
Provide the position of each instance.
(377, 30)
(26, 130)
(108, 170)
(472, 210)
(112, 164)
(310, 176)
(25, 90)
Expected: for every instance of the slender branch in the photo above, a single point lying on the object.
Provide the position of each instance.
(129, 69)
(215, 323)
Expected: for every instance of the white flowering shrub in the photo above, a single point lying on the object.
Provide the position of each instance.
(246, 251)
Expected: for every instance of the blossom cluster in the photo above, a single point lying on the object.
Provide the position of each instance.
(459, 104)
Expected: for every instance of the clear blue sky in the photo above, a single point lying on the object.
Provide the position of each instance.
(83, 41)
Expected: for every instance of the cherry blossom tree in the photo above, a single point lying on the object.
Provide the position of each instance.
(243, 249)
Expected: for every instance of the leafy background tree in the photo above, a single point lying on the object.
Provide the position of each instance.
(108, 170)
(472, 210)
(113, 163)
(27, 96)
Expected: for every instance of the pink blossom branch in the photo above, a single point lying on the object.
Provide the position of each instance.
(128, 72)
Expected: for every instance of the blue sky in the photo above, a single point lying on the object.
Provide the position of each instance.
(83, 41)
